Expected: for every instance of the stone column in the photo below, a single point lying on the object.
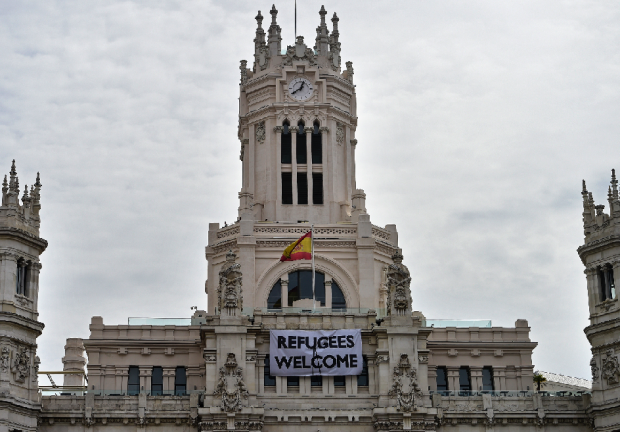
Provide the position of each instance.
(475, 373)
(284, 284)
(353, 148)
(293, 131)
(328, 292)
(278, 197)
(8, 274)
(169, 373)
(34, 288)
(593, 292)
(309, 152)
(74, 361)
(453, 378)
(616, 276)
(122, 374)
(372, 380)
(432, 377)
(261, 373)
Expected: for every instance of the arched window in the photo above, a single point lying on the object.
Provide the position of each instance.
(607, 283)
(338, 301)
(300, 287)
(317, 144)
(302, 153)
(285, 153)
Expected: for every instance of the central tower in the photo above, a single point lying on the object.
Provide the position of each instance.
(297, 121)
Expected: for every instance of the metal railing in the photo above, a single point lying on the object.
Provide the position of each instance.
(508, 393)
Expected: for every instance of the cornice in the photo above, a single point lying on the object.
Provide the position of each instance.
(26, 237)
(22, 321)
(598, 245)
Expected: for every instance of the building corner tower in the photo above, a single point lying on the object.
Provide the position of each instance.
(20, 248)
(600, 254)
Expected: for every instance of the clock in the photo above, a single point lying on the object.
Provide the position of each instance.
(300, 89)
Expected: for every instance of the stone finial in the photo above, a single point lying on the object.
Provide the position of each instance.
(335, 20)
(244, 71)
(38, 183)
(274, 14)
(231, 256)
(259, 20)
(350, 71)
(322, 12)
(397, 258)
(13, 170)
(25, 197)
(5, 185)
(614, 184)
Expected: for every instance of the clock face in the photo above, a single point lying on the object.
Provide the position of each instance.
(300, 89)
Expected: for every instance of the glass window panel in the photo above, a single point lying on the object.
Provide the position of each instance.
(157, 381)
(293, 287)
(362, 379)
(319, 288)
(464, 379)
(487, 378)
(442, 379)
(339, 381)
(338, 301)
(317, 188)
(274, 301)
(292, 381)
(316, 381)
(305, 283)
(316, 145)
(133, 381)
(268, 379)
(180, 381)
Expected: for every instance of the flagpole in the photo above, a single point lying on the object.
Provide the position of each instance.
(313, 295)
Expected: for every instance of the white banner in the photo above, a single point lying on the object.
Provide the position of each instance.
(315, 352)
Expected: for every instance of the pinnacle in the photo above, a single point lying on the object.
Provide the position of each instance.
(38, 183)
(5, 183)
(13, 171)
(583, 186)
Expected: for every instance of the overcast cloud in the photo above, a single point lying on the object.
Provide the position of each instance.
(477, 122)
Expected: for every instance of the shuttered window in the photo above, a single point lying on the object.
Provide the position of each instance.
(287, 188)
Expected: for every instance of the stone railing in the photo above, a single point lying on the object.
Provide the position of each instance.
(380, 233)
(329, 231)
(228, 231)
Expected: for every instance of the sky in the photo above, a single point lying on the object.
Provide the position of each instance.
(477, 122)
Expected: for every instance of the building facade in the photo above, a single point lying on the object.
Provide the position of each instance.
(212, 371)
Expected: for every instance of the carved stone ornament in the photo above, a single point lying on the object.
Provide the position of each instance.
(299, 52)
(5, 359)
(231, 386)
(260, 132)
(35, 368)
(262, 56)
(339, 133)
(398, 283)
(405, 386)
(230, 298)
(334, 55)
(594, 369)
(21, 365)
(611, 368)
(244, 71)
(382, 358)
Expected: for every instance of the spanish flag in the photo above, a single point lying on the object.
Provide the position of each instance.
(299, 249)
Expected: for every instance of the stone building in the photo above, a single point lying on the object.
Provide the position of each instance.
(212, 371)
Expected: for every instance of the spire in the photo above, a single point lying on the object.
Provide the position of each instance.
(614, 184)
(260, 33)
(322, 35)
(5, 189)
(25, 197)
(14, 181)
(274, 33)
(335, 33)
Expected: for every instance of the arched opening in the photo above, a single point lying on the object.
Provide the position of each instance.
(316, 144)
(300, 148)
(300, 288)
(285, 153)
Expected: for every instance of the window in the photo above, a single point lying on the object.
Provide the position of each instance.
(23, 273)
(302, 188)
(362, 379)
(302, 152)
(487, 378)
(292, 381)
(275, 297)
(157, 381)
(339, 381)
(300, 287)
(607, 283)
(316, 145)
(317, 188)
(286, 157)
(287, 188)
(442, 379)
(133, 382)
(316, 381)
(180, 381)
(464, 379)
(267, 378)
(338, 301)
